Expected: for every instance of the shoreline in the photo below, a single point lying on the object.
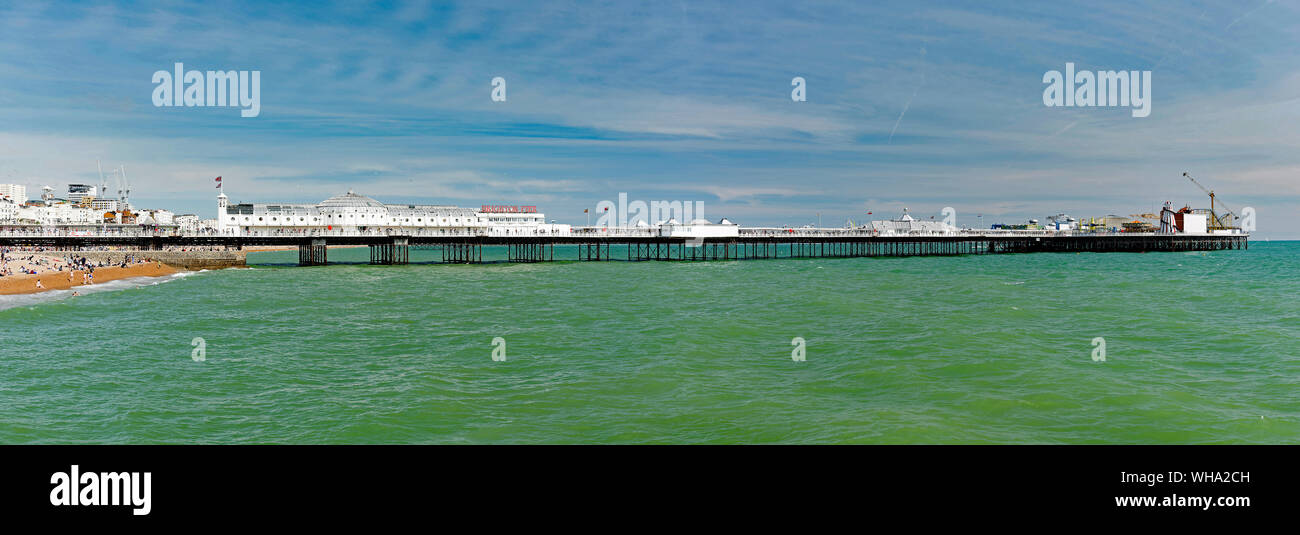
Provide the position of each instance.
(58, 280)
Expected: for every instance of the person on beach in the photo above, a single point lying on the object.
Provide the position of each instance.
(39, 286)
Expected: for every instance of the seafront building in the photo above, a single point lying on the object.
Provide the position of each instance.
(17, 193)
(58, 212)
(351, 213)
(8, 210)
(82, 193)
(188, 224)
(106, 205)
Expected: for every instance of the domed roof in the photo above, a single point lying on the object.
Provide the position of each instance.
(350, 200)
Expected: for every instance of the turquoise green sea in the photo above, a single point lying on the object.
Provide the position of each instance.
(1199, 348)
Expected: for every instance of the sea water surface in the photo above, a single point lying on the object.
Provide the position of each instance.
(1199, 348)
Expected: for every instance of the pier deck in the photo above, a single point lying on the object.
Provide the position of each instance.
(394, 249)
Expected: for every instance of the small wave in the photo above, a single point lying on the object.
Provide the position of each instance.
(52, 296)
(1013, 283)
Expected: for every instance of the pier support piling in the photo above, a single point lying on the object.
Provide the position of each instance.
(395, 253)
(312, 253)
(463, 252)
(593, 251)
(530, 252)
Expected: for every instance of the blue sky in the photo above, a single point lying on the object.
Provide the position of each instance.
(917, 104)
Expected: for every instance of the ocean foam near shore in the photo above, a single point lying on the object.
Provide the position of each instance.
(51, 296)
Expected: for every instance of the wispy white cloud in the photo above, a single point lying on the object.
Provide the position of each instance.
(678, 100)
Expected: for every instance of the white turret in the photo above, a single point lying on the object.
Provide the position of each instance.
(222, 203)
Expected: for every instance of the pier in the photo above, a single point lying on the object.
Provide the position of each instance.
(751, 244)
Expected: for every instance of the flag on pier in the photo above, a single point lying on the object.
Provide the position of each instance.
(218, 182)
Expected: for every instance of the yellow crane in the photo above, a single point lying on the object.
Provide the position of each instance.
(1217, 223)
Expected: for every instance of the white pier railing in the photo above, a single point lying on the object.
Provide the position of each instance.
(564, 231)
